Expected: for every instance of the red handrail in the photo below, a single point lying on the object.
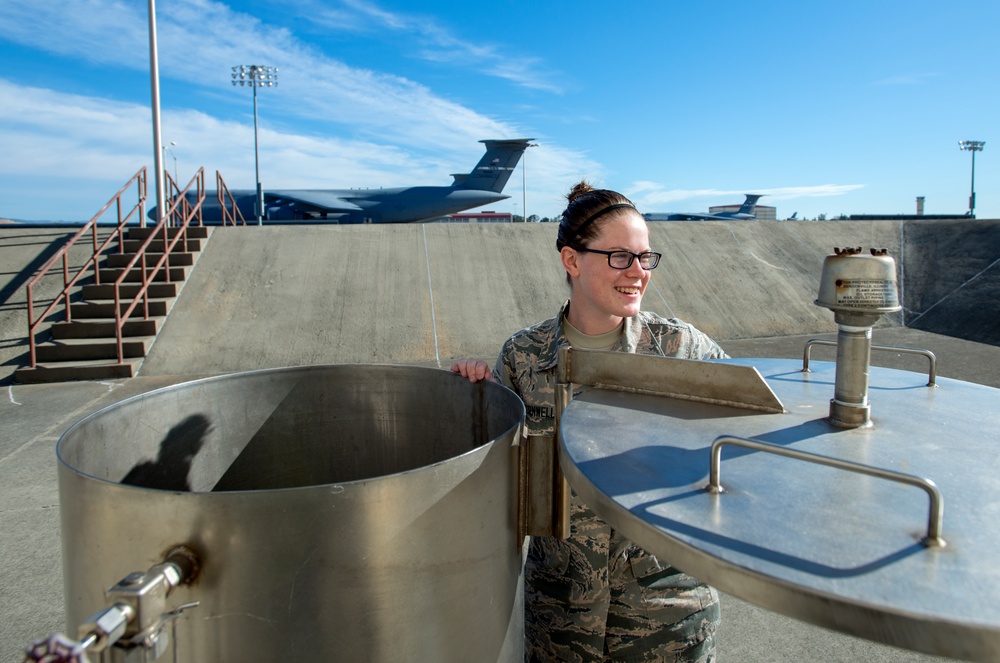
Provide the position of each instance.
(180, 214)
(139, 181)
(226, 197)
(180, 211)
(181, 206)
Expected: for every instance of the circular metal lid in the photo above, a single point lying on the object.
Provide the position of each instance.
(835, 548)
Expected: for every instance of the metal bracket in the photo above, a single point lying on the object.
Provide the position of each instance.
(543, 496)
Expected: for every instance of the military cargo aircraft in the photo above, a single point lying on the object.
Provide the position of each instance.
(482, 186)
(745, 212)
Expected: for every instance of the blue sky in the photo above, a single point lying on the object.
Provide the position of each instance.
(826, 107)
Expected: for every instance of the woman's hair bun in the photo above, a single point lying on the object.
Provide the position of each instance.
(582, 188)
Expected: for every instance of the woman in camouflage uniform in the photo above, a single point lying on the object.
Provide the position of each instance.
(597, 596)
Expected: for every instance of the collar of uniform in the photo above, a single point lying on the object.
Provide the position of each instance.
(633, 330)
(549, 356)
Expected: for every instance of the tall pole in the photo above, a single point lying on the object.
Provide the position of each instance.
(524, 180)
(259, 205)
(972, 188)
(524, 184)
(972, 146)
(154, 84)
(168, 148)
(256, 76)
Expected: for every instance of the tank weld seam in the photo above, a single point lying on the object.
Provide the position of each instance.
(953, 292)
(430, 288)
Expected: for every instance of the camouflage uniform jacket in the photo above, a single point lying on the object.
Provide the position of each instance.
(596, 596)
(528, 359)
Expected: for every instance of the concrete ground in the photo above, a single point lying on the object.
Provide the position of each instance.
(422, 295)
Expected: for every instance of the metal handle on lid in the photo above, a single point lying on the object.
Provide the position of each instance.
(936, 512)
(931, 371)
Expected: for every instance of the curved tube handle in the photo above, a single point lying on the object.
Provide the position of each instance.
(931, 371)
(936, 511)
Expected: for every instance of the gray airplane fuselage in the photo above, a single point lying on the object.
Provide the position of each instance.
(745, 213)
(482, 185)
(395, 205)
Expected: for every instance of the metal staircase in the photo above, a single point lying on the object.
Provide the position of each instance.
(103, 321)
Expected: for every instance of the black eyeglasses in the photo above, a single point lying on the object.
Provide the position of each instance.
(623, 259)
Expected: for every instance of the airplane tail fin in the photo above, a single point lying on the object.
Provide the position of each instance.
(750, 204)
(496, 166)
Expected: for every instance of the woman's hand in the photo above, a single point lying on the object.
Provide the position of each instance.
(473, 369)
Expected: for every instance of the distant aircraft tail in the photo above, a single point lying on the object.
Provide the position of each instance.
(750, 204)
(496, 166)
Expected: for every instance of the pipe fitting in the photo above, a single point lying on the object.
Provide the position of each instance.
(859, 289)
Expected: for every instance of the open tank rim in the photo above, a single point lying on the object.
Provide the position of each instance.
(63, 463)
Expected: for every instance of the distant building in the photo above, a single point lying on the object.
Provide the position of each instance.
(477, 217)
(763, 212)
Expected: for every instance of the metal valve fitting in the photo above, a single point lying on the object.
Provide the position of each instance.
(138, 609)
(858, 288)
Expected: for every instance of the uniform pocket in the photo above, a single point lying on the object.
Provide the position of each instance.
(669, 587)
(548, 555)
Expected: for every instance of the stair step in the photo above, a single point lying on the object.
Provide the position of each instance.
(78, 370)
(93, 292)
(109, 275)
(156, 245)
(85, 349)
(90, 310)
(193, 232)
(104, 328)
(120, 260)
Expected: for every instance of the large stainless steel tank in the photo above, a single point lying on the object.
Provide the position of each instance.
(356, 513)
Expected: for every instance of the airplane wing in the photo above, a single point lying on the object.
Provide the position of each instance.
(682, 216)
(692, 216)
(315, 201)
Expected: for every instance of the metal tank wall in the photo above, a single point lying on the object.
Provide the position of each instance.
(353, 512)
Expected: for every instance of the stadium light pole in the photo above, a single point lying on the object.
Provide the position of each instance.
(167, 148)
(972, 146)
(256, 76)
(154, 85)
(524, 181)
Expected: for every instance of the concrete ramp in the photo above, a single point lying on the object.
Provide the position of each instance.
(415, 294)
(739, 279)
(429, 293)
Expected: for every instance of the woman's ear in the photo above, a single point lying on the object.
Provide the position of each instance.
(570, 261)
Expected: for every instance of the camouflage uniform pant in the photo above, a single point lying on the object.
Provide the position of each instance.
(597, 597)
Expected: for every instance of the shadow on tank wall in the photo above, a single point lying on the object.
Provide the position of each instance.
(951, 278)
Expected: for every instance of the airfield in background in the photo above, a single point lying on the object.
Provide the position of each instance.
(426, 294)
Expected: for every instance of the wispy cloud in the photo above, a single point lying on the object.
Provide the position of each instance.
(434, 42)
(199, 40)
(352, 126)
(47, 132)
(649, 195)
(99, 142)
(814, 191)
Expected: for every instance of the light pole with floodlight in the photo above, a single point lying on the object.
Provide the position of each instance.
(972, 146)
(167, 148)
(256, 76)
(524, 180)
